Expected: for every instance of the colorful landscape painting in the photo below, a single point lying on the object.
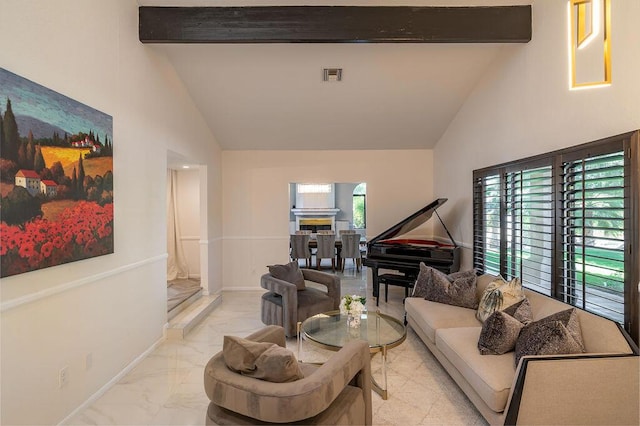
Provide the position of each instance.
(56, 178)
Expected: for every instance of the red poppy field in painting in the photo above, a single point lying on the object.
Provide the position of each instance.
(83, 231)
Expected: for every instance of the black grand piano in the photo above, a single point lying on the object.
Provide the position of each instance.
(394, 251)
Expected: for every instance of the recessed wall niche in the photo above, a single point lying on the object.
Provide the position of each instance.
(590, 43)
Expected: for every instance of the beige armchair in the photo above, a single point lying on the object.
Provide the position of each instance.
(285, 305)
(337, 392)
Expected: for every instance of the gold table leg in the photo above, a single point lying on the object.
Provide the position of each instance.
(381, 390)
(299, 338)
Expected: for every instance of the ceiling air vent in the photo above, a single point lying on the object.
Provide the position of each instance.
(332, 74)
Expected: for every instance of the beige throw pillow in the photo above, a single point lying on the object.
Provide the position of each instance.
(498, 296)
(260, 360)
(277, 364)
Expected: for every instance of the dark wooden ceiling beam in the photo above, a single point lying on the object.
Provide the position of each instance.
(335, 24)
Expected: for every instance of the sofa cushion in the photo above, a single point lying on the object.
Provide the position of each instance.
(458, 288)
(499, 334)
(490, 376)
(499, 295)
(290, 273)
(558, 333)
(261, 360)
(431, 316)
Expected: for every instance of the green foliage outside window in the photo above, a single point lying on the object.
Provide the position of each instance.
(359, 206)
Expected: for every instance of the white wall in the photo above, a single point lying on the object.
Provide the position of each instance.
(256, 199)
(188, 197)
(114, 306)
(522, 106)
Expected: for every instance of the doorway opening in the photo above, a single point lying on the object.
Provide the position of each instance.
(334, 206)
(337, 207)
(184, 284)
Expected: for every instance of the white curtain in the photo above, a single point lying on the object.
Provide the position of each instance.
(176, 262)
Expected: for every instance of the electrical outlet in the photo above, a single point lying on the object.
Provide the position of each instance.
(63, 376)
(88, 361)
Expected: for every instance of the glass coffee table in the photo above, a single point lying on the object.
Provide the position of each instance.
(331, 331)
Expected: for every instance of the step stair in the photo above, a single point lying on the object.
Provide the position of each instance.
(190, 315)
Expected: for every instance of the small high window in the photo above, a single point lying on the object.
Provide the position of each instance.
(359, 206)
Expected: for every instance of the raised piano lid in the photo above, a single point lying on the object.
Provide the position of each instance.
(412, 222)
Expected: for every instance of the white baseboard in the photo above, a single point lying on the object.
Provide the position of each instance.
(93, 398)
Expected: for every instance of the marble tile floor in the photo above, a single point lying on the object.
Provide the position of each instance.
(166, 388)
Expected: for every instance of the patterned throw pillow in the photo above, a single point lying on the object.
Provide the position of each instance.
(458, 288)
(521, 311)
(499, 334)
(420, 286)
(553, 335)
(260, 360)
(290, 273)
(498, 296)
(501, 329)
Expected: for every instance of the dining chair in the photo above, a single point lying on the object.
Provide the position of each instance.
(300, 248)
(347, 231)
(326, 249)
(350, 250)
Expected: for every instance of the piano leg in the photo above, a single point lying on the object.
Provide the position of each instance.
(376, 284)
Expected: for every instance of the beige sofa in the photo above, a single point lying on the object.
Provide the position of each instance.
(597, 387)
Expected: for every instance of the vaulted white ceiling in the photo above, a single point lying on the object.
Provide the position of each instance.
(272, 97)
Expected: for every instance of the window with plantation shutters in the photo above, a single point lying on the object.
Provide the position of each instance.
(567, 224)
(529, 224)
(593, 234)
(486, 239)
